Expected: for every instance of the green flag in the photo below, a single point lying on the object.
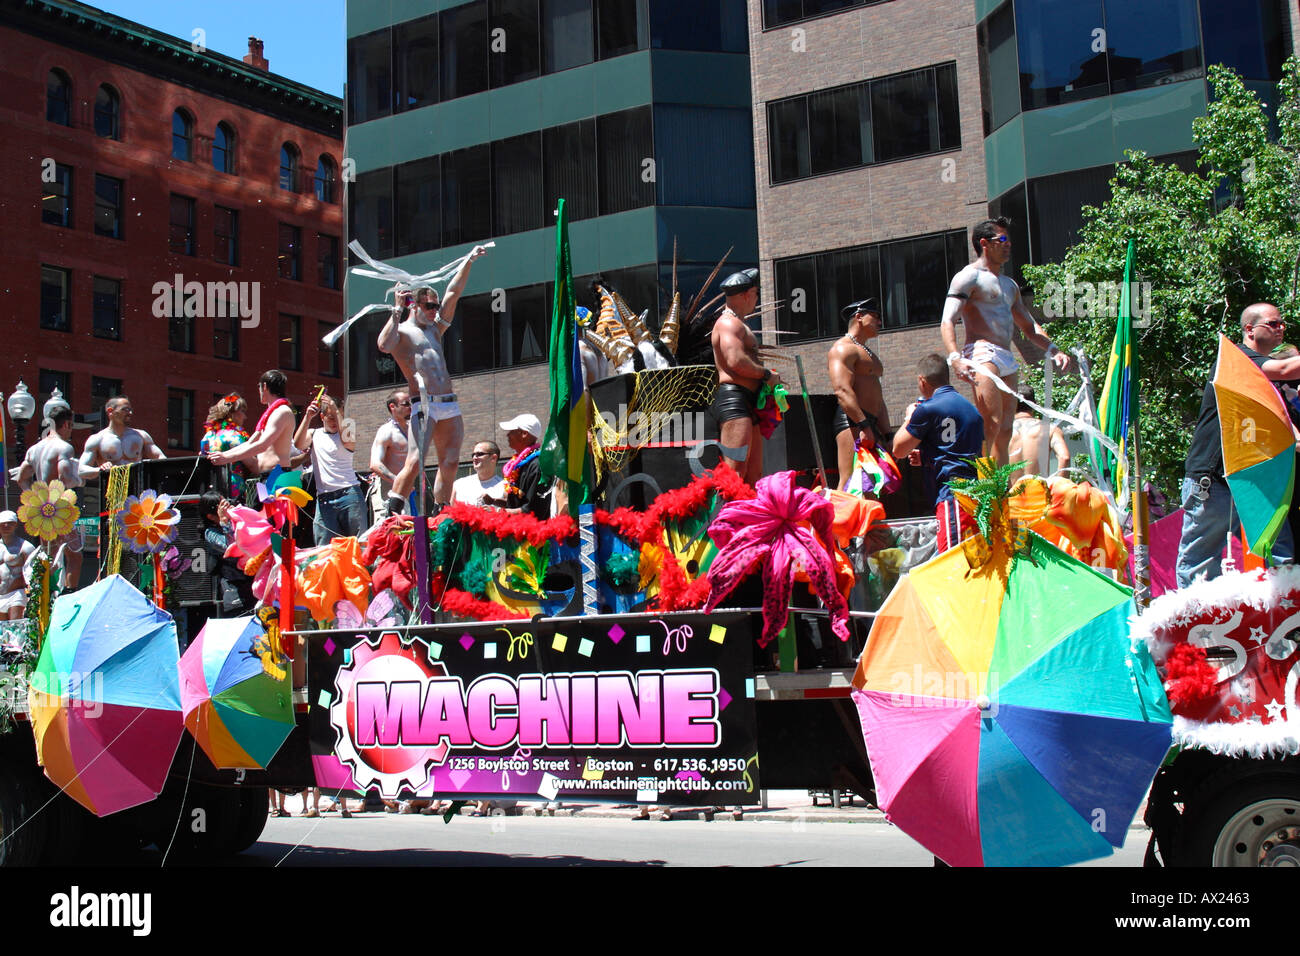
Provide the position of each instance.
(565, 454)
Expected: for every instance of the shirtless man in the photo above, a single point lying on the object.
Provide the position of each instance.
(855, 373)
(740, 377)
(118, 443)
(416, 345)
(50, 458)
(389, 449)
(989, 304)
(271, 444)
(1032, 438)
(15, 555)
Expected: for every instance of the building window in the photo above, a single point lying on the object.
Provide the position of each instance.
(327, 260)
(464, 43)
(180, 324)
(108, 206)
(182, 136)
(877, 121)
(108, 113)
(621, 27)
(370, 211)
(107, 308)
(909, 276)
(623, 142)
(778, 13)
(327, 356)
(290, 342)
(56, 198)
(289, 253)
(223, 149)
(999, 69)
(325, 177)
(225, 335)
(49, 381)
(58, 98)
(180, 418)
(519, 57)
(416, 62)
(418, 198)
(1250, 36)
(370, 76)
(569, 167)
(55, 284)
(289, 167)
(101, 390)
(567, 34)
(466, 195)
(225, 235)
(180, 237)
(517, 196)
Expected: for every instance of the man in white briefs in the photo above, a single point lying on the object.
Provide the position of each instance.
(989, 304)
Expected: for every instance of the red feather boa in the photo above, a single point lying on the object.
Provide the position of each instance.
(464, 604)
(1189, 677)
(522, 527)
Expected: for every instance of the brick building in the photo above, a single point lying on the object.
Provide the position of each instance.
(134, 163)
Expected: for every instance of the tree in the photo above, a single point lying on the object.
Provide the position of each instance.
(1209, 243)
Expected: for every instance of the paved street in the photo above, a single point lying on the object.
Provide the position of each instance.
(789, 833)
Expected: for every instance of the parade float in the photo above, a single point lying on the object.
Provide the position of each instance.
(1009, 706)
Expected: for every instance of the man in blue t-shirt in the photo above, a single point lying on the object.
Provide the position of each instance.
(947, 430)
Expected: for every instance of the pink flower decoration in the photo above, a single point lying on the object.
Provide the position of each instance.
(252, 533)
(766, 530)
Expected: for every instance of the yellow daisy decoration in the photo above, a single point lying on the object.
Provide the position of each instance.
(48, 511)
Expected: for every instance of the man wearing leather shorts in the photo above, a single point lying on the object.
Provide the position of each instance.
(740, 377)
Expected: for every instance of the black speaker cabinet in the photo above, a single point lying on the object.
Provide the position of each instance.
(178, 477)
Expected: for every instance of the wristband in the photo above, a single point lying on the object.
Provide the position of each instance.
(1052, 350)
(953, 356)
(861, 424)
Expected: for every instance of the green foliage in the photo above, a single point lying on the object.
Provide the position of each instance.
(1210, 243)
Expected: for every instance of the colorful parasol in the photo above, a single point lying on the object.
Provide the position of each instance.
(105, 697)
(1258, 446)
(1008, 720)
(236, 694)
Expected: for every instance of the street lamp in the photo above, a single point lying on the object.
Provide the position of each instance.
(22, 406)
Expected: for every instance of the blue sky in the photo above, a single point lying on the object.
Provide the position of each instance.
(304, 39)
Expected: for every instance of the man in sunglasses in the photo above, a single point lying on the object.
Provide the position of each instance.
(416, 345)
(482, 484)
(990, 306)
(1208, 514)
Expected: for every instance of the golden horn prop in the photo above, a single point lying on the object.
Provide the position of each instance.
(671, 328)
(617, 350)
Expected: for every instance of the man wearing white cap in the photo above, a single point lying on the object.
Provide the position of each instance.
(521, 475)
(15, 553)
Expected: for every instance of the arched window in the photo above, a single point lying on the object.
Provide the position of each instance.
(107, 113)
(325, 179)
(58, 98)
(182, 136)
(289, 167)
(223, 149)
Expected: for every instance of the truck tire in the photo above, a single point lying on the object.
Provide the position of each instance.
(1254, 823)
(253, 806)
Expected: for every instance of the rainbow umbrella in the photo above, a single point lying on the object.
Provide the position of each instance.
(1258, 446)
(1008, 720)
(105, 698)
(235, 694)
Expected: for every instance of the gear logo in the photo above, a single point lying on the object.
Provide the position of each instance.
(387, 767)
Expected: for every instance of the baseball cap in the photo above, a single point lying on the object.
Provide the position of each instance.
(7, 516)
(529, 423)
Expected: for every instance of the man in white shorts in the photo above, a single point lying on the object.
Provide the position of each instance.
(389, 449)
(15, 554)
(990, 306)
(416, 345)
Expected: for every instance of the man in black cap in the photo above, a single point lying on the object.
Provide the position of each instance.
(855, 373)
(740, 377)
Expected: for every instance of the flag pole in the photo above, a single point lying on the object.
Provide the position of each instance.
(1141, 524)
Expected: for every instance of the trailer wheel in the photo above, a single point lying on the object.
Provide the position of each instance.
(253, 807)
(1254, 824)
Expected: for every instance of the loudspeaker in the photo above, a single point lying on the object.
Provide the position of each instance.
(178, 477)
(192, 587)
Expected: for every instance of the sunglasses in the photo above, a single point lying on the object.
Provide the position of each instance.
(1273, 324)
(481, 454)
(1002, 239)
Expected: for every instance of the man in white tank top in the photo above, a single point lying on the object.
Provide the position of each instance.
(340, 510)
(990, 306)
